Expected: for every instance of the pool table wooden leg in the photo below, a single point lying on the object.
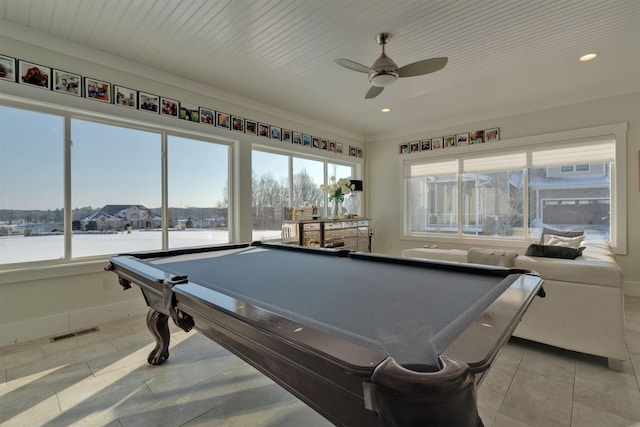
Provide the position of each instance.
(158, 325)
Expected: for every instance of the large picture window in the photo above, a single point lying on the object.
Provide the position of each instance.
(281, 181)
(72, 187)
(116, 189)
(516, 190)
(198, 192)
(31, 186)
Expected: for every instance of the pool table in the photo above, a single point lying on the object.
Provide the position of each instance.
(364, 339)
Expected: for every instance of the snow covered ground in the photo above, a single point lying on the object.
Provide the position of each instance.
(39, 248)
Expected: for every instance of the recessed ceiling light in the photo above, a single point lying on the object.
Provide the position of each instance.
(588, 57)
(386, 110)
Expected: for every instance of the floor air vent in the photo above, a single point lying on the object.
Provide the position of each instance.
(73, 334)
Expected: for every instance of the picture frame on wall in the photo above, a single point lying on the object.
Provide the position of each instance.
(339, 147)
(7, 68)
(223, 120)
(276, 133)
(306, 140)
(492, 134)
(97, 90)
(189, 112)
(263, 130)
(360, 153)
(402, 148)
(148, 102)
(324, 144)
(169, 107)
(353, 151)
(34, 75)
(476, 137)
(462, 139)
(449, 141)
(237, 124)
(65, 82)
(332, 146)
(414, 147)
(125, 96)
(315, 142)
(436, 143)
(286, 136)
(207, 116)
(425, 144)
(250, 127)
(297, 138)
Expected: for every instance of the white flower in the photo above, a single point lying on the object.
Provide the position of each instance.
(337, 189)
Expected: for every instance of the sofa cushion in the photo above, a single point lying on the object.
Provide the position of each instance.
(596, 266)
(552, 251)
(546, 231)
(499, 257)
(454, 255)
(568, 242)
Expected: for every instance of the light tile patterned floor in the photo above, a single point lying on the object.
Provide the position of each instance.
(103, 379)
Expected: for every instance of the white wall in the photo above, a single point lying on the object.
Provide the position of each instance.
(383, 174)
(53, 300)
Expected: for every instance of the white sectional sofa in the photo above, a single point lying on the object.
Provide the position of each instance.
(584, 305)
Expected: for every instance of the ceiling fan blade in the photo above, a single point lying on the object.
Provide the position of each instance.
(373, 92)
(423, 67)
(353, 65)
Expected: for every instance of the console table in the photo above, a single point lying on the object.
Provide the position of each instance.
(352, 234)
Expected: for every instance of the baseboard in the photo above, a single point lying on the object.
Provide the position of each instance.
(632, 289)
(43, 327)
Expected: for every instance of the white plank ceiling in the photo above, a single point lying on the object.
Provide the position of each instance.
(505, 57)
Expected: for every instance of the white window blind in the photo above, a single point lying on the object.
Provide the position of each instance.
(431, 168)
(495, 163)
(595, 151)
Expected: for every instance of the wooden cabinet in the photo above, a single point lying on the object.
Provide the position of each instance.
(352, 234)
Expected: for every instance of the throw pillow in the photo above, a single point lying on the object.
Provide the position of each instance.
(562, 233)
(568, 242)
(553, 251)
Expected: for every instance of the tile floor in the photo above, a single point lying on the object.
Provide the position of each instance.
(102, 379)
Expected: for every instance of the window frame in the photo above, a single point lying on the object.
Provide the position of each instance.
(356, 167)
(617, 132)
(71, 113)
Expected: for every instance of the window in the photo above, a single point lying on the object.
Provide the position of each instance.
(109, 199)
(574, 168)
(270, 193)
(307, 177)
(198, 192)
(31, 186)
(274, 188)
(513, 191)
(116, 189)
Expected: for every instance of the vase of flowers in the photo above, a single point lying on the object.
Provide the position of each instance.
(337, 189)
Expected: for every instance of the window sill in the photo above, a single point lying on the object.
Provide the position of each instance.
(49, 271)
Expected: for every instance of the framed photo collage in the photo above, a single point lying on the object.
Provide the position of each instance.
(61, 81)
(450, 141)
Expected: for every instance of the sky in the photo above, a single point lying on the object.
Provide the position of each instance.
(117, 165)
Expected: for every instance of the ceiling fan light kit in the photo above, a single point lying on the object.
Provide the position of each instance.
(384, 72)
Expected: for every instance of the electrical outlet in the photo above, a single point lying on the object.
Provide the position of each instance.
(106, 284)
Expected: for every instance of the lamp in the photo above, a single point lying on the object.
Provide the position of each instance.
(353, 204)
(383, 79)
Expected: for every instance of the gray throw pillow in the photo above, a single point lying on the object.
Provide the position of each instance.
(553, 251)
(562, 233)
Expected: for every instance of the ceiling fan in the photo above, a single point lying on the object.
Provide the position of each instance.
(384, 71)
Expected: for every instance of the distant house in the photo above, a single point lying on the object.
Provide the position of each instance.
(120, 217)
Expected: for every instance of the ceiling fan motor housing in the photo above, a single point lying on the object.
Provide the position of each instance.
(384, 71)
